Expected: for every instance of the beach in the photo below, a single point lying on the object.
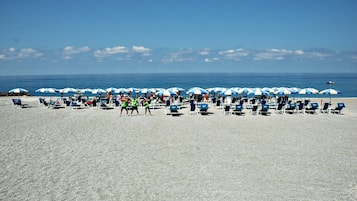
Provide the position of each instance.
(94, 154)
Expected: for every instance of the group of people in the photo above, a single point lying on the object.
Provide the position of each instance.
(127, 102)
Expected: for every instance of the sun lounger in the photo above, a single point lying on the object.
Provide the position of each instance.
(105, 106)
(238, 110)
(264, 110)
(55, 105)
(291, 108)
(227, 109)
(312, 109)
(174, 110)
(203, 108)
(18, 103)
(325, 108)
(338, 108)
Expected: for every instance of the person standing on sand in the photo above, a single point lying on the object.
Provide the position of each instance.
(124, 105)
(134, 106)
(147, 106)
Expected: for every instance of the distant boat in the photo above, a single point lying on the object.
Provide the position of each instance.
(330, 82)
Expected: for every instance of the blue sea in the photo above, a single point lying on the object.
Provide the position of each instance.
(346, 83)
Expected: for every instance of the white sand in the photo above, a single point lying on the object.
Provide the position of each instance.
(88, 154)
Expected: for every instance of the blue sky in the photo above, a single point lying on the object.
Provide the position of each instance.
(72, 37)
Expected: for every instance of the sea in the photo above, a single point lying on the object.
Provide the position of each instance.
(344, 82)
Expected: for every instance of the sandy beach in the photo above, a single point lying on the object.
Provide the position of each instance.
(94, 154)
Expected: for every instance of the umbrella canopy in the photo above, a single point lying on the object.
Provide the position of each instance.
(176, 89)
(132, 89)
(110, 89)
(283, 92)
(166, 92)
(244, 90)
(86, 90)
(47, 90)
(230, 92)
(121, 91)
(147, 90)
(308, 91)
(257, 92)
(98, 91)
(330, 92)
(68, 90)
(196, 91)
(18, 90)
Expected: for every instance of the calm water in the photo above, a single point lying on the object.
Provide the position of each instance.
(347, 83)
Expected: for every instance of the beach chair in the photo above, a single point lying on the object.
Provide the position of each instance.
(105, 106)
(18, 103)
(264, 110)
(254, 109)
(74, 105)
(291, 108)
(174, 110)
(301, 108)
(325, 108)
(55, 105)
(227, 109)
(238, 110)
(312, 109)
(203, 108)
(280, 108)
(338, 108)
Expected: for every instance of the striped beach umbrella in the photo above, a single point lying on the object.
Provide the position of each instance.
(308, 91)
(121, 91)
(18, 90)
(47, 90)
(68, 90)
(230, 92)
(196, 91)
(283, 92)
(98, 91)
(166, 92)
(330, 91)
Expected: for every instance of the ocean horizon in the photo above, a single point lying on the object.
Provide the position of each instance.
(344, 82)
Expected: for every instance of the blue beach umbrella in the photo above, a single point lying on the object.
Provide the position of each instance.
(86, 90)
(121, 91)
(176, 89)
(167, 92)
(110, 89)
(230, 92)
(244, 90)
(68, 90)
(283, 92)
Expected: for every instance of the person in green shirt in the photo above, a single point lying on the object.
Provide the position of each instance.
(134, 106)
(124, 105)
(147, 106)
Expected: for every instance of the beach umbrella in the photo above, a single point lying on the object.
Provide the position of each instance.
(147, 90)
(98, 91)
(244, 90)
(294, 90)
(18, 90)
(121, 91)
(47, 90)
(68, 90)
(176, 89)
(308, 91)
(166, 92)
(86, 90)
(282, 92)
(230, 92)
(196, 91)
(330, 92)
(110, 89)
(257, 92)
(219, 89)
(267, 89)
(132, 89)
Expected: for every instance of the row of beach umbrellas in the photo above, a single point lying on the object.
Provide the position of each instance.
(279, 91)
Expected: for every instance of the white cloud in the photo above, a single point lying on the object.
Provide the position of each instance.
(179, 56)
(210, 60)
(140, 49)
(110, 51)
(70, 50)
(11, 49)
(236, 54)
(299, 52)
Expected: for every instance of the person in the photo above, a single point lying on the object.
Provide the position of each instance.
(124, 105)
(134, 106)
(147, 106)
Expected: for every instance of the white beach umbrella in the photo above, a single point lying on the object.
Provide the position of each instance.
(257, 92)
(230, 92)
(121, 91)
(98, 91)
(196, 91)
(18, 90)
(282, 92)
(308, 91)
(166, 92)
(68, 90)
(86, 90)
(110, 89)
(330, 92)
(47, 90)
(176, 89)
(244, 90)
